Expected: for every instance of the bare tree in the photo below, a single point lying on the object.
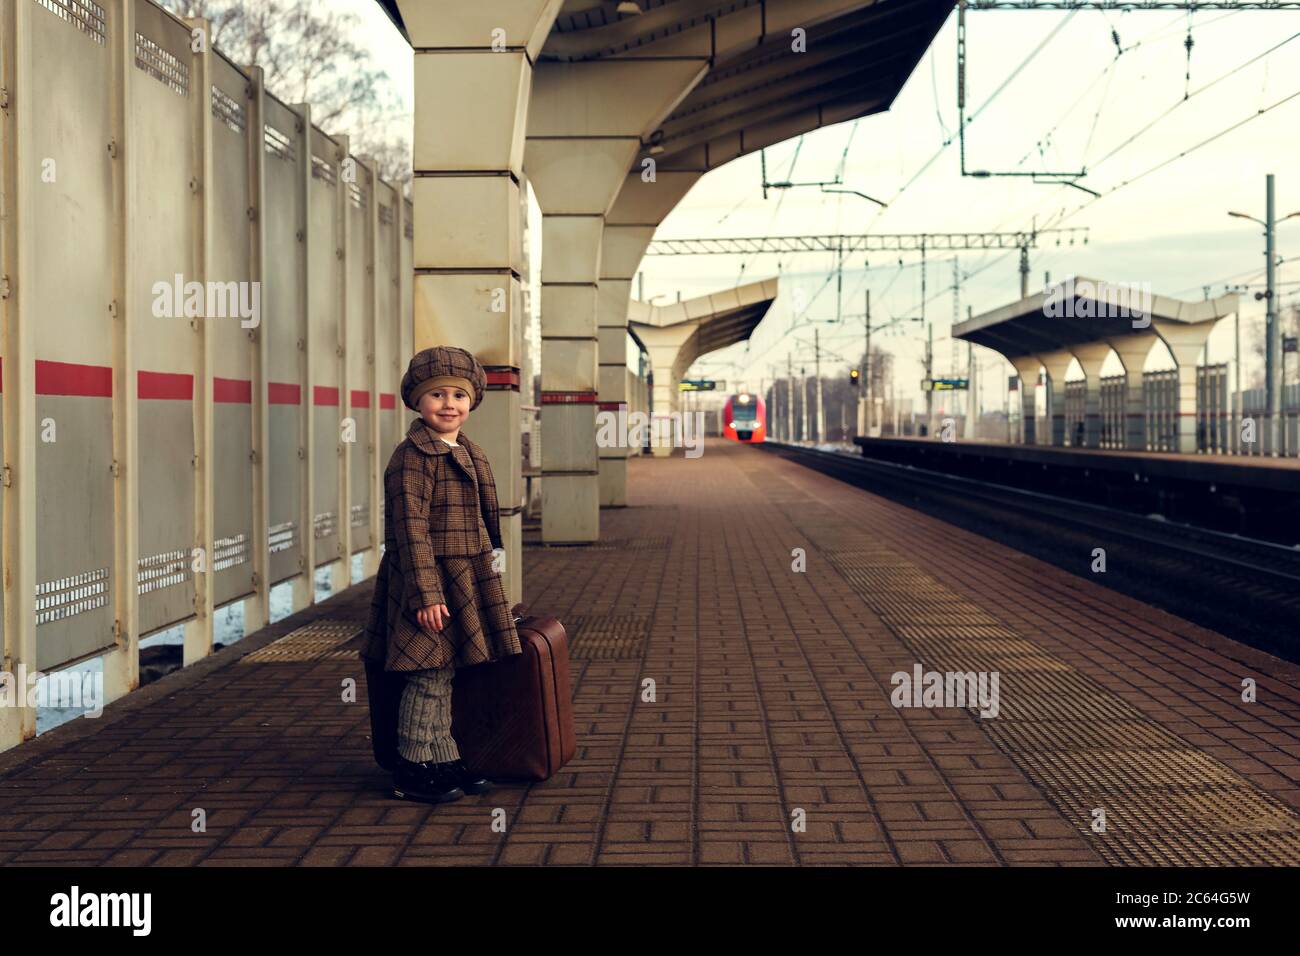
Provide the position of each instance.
(308, 55)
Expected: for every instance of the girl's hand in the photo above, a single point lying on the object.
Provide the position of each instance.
(433, 617)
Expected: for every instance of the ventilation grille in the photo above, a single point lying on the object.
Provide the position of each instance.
(163, 570)
(357, 195)
(283, 536)
(86, 15)
(324, 524)
(278, 144)
(230, 552)
(360, 515)
(385, 214)
(75, 594)
(409, 229)
(322, 170)
(227, 110)
(162, 65)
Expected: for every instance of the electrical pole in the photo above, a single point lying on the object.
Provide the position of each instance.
(789, 405)
(972, 399)
(805, 420)
(1236, 382)
(817, 367)
(1273, 348)
(866, 376)
(929, 351)
(929, 374)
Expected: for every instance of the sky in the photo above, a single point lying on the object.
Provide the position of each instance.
(1172, 143)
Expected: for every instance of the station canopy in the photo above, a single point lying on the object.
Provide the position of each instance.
(1081, 310)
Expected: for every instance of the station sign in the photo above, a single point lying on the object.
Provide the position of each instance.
(1289, 343)
(696, 385)
(944, 384)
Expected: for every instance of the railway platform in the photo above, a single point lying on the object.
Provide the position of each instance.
(737, 638)
(1254, 495)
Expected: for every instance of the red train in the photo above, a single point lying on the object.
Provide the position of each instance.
(744, 418)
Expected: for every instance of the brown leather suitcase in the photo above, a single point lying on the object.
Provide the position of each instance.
(513, 718)
(384, 690)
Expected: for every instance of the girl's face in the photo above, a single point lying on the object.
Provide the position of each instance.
(445, 408)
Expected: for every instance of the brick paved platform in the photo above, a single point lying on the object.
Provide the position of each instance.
(770, 738)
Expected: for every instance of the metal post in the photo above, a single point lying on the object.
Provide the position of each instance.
(1240, 412)
(257, 608)
(868, 408)
(817, 367)
(304, 585)
(970, 391)
(789, 398)
(1273, 381)
(122, 664)
(199, 630)
(929, 374)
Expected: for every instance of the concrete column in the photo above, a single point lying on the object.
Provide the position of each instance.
(1133, 351)
(645, 198)
(586, 123)
(1186, 342)
(1056, 364)
(1026, 367)
(1092, 356)
(665, 348)
(612, 371)
(473, 81)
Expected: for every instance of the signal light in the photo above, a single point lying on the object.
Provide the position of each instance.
(854, 375)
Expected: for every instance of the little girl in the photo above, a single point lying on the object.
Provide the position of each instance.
(438, 602)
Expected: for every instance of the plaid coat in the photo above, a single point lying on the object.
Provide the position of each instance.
(441, 522)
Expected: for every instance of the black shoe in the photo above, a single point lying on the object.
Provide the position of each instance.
(469, 781)
(426, 782)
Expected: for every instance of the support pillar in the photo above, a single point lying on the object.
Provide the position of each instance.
(646, 197)
(586, 124)
(1133, 351)
(1027, 367)
(1092, 356)
(1186, 342)
(665, 346)
(1056, 364)
(474, 72)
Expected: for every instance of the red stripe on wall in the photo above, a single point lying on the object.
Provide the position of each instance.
(70, 378)
(165, 385)
(502, 377)
(387, 400)
(325, 395)
(232, 390)
(283, 393)
(568, 398)
(360, 399)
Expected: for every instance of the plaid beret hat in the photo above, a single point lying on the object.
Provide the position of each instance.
(442, 362)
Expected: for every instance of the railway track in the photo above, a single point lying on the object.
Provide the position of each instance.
(1244, 588)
